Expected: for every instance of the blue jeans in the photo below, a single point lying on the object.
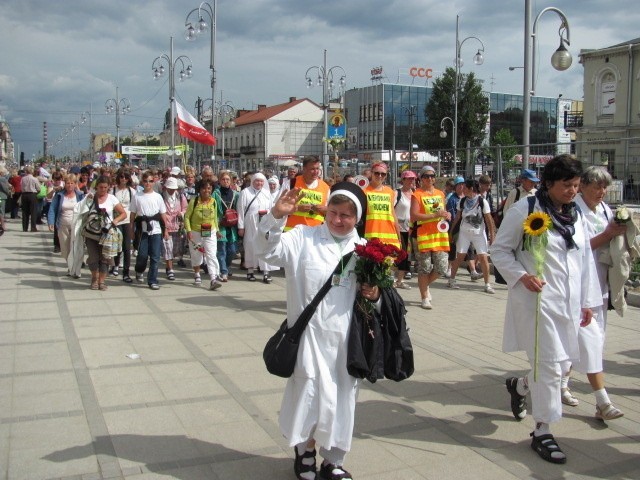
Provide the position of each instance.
(150, 247)
(226, 253)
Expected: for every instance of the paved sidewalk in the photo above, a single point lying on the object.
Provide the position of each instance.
(198, 403)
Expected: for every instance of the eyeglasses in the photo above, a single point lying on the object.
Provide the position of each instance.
(380, 174)
(427, 176)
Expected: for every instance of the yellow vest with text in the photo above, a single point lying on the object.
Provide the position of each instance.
(429, 238)
(380, 222)
(312, 196)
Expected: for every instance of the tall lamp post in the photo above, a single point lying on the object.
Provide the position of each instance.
(478, 59)
(325, 80)
(443, 133)
(191, 34)
(119, 106)
(227, 113)
(560, 60)
(411, 113)
(185, 73)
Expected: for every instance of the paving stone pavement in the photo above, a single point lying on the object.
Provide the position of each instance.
(198, 403)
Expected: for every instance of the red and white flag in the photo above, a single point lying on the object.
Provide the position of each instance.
(191, 128)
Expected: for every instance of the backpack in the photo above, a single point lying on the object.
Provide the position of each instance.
(498, 216)
(95, 223)
(230, 215)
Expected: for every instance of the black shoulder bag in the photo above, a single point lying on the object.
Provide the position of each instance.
(281, 351)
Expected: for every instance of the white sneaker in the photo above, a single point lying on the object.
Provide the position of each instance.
(426, 304)
(452, 284)
(489, 289)
(475, 276)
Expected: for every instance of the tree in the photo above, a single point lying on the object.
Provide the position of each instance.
(504, 138)
(473, 109)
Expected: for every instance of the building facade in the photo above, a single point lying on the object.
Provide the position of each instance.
(608, 131)
(372, 112)
(7, 154)
(271, 137)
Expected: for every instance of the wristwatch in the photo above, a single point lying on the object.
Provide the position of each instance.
(312, 210)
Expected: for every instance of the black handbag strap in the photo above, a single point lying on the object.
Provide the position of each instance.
(309, 310)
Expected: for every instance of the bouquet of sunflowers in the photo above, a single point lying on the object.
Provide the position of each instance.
(375, 262)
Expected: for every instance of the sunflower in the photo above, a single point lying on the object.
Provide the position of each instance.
(537, 223)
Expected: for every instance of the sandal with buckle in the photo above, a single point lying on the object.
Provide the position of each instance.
(329, 471)
(568, 398)
(548, 449)
(608, 412)
(126, 278)
(518, 402)
(300, 466)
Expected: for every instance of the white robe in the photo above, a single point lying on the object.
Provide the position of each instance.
(320, 397)
(572, 284)
(76, 250)
(248, 219)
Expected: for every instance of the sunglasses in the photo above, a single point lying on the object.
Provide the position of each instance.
(380, 174)
(427, 176)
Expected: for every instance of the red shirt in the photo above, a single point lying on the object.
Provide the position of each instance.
(16, 183)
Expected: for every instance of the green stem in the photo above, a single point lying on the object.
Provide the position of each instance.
(535, 355)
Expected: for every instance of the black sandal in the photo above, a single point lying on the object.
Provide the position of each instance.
(126, 278)
(326, 472)
(546, 446)
(518, 402)
(299, 468)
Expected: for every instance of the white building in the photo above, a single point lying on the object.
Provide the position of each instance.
(608, 133)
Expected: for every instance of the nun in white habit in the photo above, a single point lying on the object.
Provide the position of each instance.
(318, 406)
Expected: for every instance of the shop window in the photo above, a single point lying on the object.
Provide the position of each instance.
(606, 94)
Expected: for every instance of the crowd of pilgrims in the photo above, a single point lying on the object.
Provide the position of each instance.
(216, 218)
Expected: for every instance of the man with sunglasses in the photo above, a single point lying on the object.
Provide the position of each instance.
(428, 210)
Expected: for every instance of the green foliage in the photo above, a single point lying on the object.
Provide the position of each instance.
(473, 109)
(504, 138)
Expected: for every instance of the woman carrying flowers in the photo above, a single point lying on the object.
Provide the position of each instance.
(318, 407)
(543, 251)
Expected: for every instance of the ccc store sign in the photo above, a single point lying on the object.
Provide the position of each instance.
(405, 156)
(421, 72)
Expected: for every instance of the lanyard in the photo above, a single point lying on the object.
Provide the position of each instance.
(340, 249)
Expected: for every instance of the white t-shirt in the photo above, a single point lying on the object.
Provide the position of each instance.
(108, 204)
(472, 215)
(149, 204)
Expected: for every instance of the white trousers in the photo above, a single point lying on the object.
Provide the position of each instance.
(546, 405)
(210, 245)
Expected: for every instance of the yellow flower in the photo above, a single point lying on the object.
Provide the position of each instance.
(537, 223)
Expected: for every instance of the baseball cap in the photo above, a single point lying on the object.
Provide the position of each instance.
(458, 180)
(529, 175)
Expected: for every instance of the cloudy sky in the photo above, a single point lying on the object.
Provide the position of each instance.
(62, 58)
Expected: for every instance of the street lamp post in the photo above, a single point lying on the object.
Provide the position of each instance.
(560, 60)
(325, 80)
(226, 112)
(117, 105)
(191, 34)
(411, 113)
(478, 59)
(443, 133)
(185, 73)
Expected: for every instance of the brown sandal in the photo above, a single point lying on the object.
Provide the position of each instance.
(102, 286)
(94, 286)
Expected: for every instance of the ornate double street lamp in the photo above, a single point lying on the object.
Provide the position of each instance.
(478, 59)
(226, 112)
(324, 79)
(560, 60)
(191, 34)
(158, 67)
(119, 106)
